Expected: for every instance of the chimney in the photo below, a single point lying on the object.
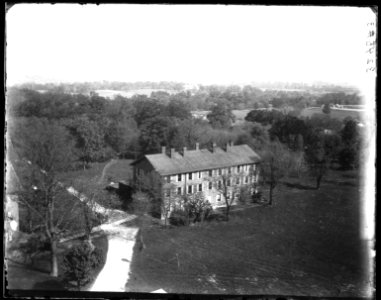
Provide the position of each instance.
(172, 152)
(163, 149)
(197, 146)
(184, 150)
(214, 146)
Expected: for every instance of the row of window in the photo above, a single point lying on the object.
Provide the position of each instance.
(190, 189)
(211, 173)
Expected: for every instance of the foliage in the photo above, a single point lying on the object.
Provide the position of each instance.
(179, 217)
(264, 117)
(339, 98)
(178, 109)
(141, 203)
(121, 134)
(321, 150)
(80, 262)
(221, 116)
(198, 207)
(154, 133)
(326, 108)
(289, 130)
(349, 156)
(46, 149)
(89, 135)
(276, 164)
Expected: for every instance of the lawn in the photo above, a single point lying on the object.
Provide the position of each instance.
(308, 243)
(97, 177)
(36, 277)
(340, 114)
(119, 169)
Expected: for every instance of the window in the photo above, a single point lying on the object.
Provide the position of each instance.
(168, 179)
(179, 191)
(253, 167)
(190, 176)
(210, 173)
(189, 189)
(200, 187)
(228, 182)
(246, 179)
(237, 180)
(210, 185)
(179, 177)
(219, 171)
(238, 169)
(229, 170)
(167, 192)
(199, 174)
(219, 184)
(219, 197)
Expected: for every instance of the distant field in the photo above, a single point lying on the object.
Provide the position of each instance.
(113, 93)
(240, 115)
(307, 244)
(335, 113)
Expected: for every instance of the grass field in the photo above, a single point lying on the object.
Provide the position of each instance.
(120, 170)
(340, 114)
(307, 244)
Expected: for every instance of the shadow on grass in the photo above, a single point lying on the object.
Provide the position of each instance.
(341, 183)
(51, 285)
(299, 186)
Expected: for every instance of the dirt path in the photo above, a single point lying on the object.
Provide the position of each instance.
(115, 273)
(109, 164)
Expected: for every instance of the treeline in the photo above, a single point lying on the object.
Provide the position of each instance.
(87, 87)
(321, 139)
(129, 127)
(204, 97)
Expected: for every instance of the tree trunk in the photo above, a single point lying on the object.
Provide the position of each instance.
(271, 195)
(227, 212)
(318, 180)
(54, 270)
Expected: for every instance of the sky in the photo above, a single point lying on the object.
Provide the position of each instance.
(221, 44)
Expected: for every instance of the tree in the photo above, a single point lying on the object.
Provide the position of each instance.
(197, 207)
(178, 109)
(326, 108)
(221, 116)
(264, 117)
(121, 135)
(349, 156)
(80, 262)
(225, 184)
(147, 109)
(163, 197)
(89, 135)
(288, 130)
(46, 149)
(319, 154)
(88, 194)
(154, 133)
(276, 164)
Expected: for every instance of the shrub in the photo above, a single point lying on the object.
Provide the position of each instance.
(198, 207)
(178, 217)
(80, 262)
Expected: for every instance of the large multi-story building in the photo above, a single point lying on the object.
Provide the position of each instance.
(216, 172)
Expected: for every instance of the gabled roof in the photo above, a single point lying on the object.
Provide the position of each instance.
(199, 160)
